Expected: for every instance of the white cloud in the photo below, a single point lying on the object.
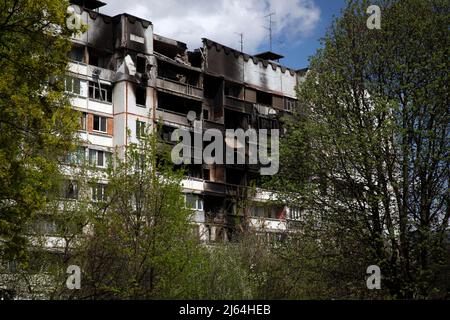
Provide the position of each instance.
(220, 20)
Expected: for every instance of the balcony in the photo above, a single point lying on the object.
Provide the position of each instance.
(172, 117)
(193, 184)
(238, 105)
(215, 187)
(88, 71)
(268, 224)
(179, 88)
(213, 125)
(237, 191)
(104, 74)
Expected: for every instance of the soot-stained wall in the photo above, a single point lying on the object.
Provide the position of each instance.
(261, 74)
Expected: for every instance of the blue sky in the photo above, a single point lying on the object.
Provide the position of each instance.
(299, 24)
(296, 55)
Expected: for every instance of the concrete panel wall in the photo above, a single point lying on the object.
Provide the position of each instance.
(260, 74)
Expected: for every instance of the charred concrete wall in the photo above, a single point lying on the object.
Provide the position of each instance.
(100, 33)
(112, 34)
(260, 74)
(133, 33)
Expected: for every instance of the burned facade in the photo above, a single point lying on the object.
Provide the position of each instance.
(123, 77)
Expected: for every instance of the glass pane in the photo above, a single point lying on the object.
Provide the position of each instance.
(92, 157)
(100, 159)
(190, 201)
(103, 122)
(76, 86)
(96, 123)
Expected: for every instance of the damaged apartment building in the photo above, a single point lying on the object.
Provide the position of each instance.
(124, 77)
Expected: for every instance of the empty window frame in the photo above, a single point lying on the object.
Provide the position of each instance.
(141, 64)
(101, 92)
(100, 124)
(205, 114)
(77, 54)
(264, 98)
(141, 96)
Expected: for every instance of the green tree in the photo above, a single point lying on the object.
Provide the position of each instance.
(36, 122)
(140, 243)
(367, 157)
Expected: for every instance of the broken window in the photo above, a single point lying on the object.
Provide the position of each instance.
(166, 133)
(212, 87)
(173, 103)
(141, 96)
(101, 92)
(94, 60)
(99, 59)
(141, 64)
(191, 171)
(207, 174)
(205, 114)
(234, 177)
(264, 98)
(234, 90)
(77, 54)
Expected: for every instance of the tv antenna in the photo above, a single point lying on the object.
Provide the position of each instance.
(241, 42)
(270, 28)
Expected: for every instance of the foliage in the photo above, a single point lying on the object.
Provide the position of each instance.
(367, 156)
(141, 244)
(37, 124)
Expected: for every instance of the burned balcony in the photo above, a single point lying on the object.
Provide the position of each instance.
(178, 87)
(177, 69)
(178, 80)
(235, 177)
(175, 109)
(91, 63)
(214, 180)
(215, 187)
(239, 105)
(236, 120)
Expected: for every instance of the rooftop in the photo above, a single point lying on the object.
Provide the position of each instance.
(89, 4)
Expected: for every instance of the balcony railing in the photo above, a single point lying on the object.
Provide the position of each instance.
(173, 117)
(238, 104)
(178, 87)
(268, 224)
(212, 125)
(89, 70)
(215, 187)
